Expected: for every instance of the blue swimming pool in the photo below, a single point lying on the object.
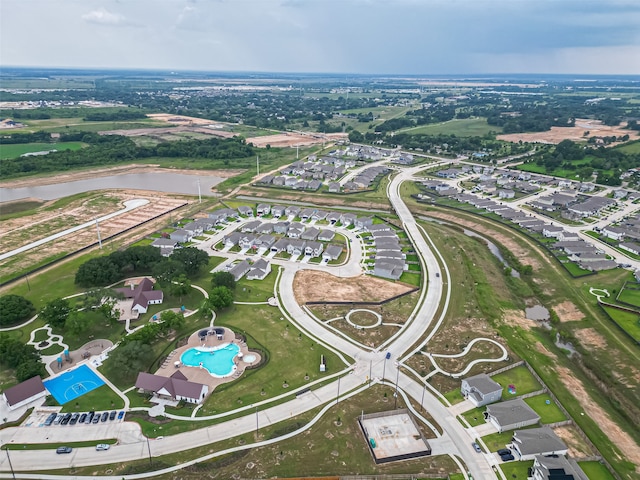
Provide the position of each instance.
(73, 384)
(218, 360)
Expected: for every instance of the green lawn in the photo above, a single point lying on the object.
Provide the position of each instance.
(516, 470)
(475, 417)
(596, 471)
(15, 150)
(630, 296)
(411, 278)
(549, 413)
(521, 378)
(468, 127)
(629, 322)
(496, 441)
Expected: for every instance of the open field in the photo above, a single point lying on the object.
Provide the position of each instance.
(595, 128)
(468, 127)
(293, 139)
(15, 150)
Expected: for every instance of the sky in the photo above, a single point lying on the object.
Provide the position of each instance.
(419, 37)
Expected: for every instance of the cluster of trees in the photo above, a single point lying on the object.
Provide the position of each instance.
(111, 116)
(111, 268)
(114, 149)
(39, 137)
(15, 309)
(25, 359)
(221, 294)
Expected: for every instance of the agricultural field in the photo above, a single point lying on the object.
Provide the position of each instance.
(16, 150)
(469, 127)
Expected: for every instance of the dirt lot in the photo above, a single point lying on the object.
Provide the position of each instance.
(293, 139)
(568, 312)
(557, 134)
(358, 289)
(181, 119)
(590, 338)
(617, 436)
(159, 132)
(577, 447)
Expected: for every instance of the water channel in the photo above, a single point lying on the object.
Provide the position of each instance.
(165, 182)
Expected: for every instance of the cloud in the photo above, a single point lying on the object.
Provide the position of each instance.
(102, 16)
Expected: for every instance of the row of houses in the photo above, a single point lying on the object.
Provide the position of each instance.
(573, 206)
(626, 233)
(257, 270)
(389, 261)
(588, 259)
(365, 178)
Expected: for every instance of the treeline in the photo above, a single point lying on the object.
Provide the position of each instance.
(115, 149)
(15, 138)
(115, 116)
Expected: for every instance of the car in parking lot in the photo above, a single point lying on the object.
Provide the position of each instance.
(476, 447)
(504, 451)
(66, 419)
(74, 419)
(96, 418)
(58, 419)
(104, 417)
(507, 457)
(121, 415)
(89, 417)
(103, 446)
(83, 418)
(63, 450)
(112, 415)
(50, 419)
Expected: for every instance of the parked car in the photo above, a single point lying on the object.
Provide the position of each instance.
(89, 417)
(476, 447)
(74, 419)
(96, 418)
(58, 419)
(121, 415)
(66, 419)
(104, 417)
(63, 450)
(112, 415)
(103, 446)
(83, 418)
(504, 451)
(506, 458)
(50, 419)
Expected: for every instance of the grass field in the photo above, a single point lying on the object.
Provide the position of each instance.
(549, 413)
(629, 148)
(516, 470)
(596, 471)
(630, 296)
(629, 322)
(468, 127)
(15, 150)
(520, 377)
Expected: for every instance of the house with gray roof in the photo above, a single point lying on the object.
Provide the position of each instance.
(347, 219)
(239, 270)
(232, 239)
(250, 227)
(180, 235)
(537, 441)
(278, 210)
(319, 215)
(259, 270)
(265, 228)
(204, 223)
(263, 209)
(332, 252)
(265, 241)
(313, 249)
(280, 245)
(165, 244)
(511, 414)
(481, 390)
(175, 387)
(292, 210)
(326, 235)
(296, 247)
(281, 227)
(389, 268)
(245, 211)
(334, 187)
(194, 228)
(310, 234)
(333, 217)
(295, 230)
(364, 223)
(556, 467)
(247, 241)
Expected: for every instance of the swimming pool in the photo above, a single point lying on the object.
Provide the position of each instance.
(73, 384)
(218, 360)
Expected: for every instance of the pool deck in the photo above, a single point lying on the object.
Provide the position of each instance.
(201, 375)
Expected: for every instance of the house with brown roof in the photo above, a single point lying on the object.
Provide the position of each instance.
(24, 393)
(142, 295)
(175, 387)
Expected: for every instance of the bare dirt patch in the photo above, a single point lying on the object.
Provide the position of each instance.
(523, 254)
(595, 128)
(311, 286)
(181, 119)
(169, 133)
(577, 447)
(621, 439)
(568, 312)
(294, 139)
(590, 338)
(517, 318)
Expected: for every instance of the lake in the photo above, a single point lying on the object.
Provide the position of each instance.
(165, 182)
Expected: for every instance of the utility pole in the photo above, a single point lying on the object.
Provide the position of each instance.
(338, 394)
(149, 450)
(258, 164)
(98, 230)
(395, 405)
(9, 458)
(422, 399)
(199, 193)
(297, 152)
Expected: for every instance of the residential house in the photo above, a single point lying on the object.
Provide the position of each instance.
(305, 215)
(250, 227)
(279, 181)
(506, 194)
(332, 252)
(481, 390)
(247, 241)
(166, 245)
(388, 268)
(265, 241)
(175, 387)
(552, 231)
(334, 187)
(278, 211)
(310, 234)
(292, 210)
(630, 247)
(232, 239)
(204, 223)
(555, 467)
(326, 235)
(267, 179)
(296, 247)
(511, 414)
(265, 228)
(537, 441)
(363, 223)
(280, 245)
(319, 215)
(314, 185)
(180, 235)
(194, 228)
(614, 233)
(295, 230)
(378, 228)
(313, 249)
(24, 393)
(347, 219)
(263, 209)
(290, 182)
(142, 295)
(240, 269)
(281, 227)
(259, 270)
(333, 217)
(245, 211)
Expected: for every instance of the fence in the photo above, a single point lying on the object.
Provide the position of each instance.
(365, 303)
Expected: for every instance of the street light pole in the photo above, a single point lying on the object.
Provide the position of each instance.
(396, 395)
(338, 394)
(149, 450)
(422, 399)
(10, 465)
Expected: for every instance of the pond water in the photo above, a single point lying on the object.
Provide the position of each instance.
(166, 182)
(537, 312)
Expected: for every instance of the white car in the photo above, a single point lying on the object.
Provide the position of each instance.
(103, 446)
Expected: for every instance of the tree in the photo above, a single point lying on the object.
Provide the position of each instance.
(131, 358)
(180, 286)
(14, 308)
(77, 322)
(55, 312)
(98, 272)
(193, 259)
(166, 270)
(172, 320)
(13, 352)
(219, 298)
(223, 279)
(29, 369)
